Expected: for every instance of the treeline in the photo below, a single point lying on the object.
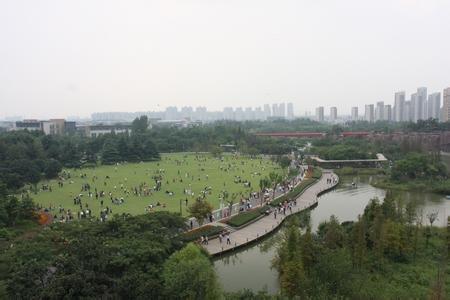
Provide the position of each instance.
(349, 148)
(387, 254)
(202, 138)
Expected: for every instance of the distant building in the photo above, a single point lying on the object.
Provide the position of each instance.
(399, 106)
(379, 111)
(434, 106)
(446, 106)
(249, 114)
(98, 130)
(187, 112)
(275, 112)
(333, 113)
(290, 111)
(228, 113)
(267, 112)
(30, 125)
(239, 114)
(369, 113)
(355, 113)
(422, 96)
(171, 113)
(408, 111)
(320, 114)
(49, 127)
(387, 114)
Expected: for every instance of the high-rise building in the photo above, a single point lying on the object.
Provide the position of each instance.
(355, 113)
(333, 113)
(422, 96)
(239, 114)
(187, 112)
(379, 111)
(399, 106)
(369, 113)
(408, 111)
(201, 113)
(290, 111)
(228, 113)
(319, 114)
(446, 106)
(259, 114)
(416, 107)
(434, 106)
(275, 112)
(387, 114)
(266, 111)
(171, 113)
(249, 115)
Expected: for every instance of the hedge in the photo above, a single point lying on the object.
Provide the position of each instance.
(208, 230)
(246, 217)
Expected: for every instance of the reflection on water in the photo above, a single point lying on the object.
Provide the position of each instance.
(251, 267)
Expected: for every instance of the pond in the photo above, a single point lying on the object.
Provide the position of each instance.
(251, 267)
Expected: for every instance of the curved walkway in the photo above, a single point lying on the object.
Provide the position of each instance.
(267, 224)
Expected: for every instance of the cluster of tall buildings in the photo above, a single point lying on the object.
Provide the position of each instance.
(274, 111)
(420, 106)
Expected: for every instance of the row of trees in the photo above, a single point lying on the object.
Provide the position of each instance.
(374, 257)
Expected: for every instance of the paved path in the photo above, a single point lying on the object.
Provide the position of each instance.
(265, 225)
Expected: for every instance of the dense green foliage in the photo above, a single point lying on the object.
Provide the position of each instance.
(189, 274)
(418, 166)
(121, 258)
(386, 254)
(349, 148)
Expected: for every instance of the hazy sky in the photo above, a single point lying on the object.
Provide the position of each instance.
(75, 57)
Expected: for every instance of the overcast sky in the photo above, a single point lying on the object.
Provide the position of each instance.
(74, 57)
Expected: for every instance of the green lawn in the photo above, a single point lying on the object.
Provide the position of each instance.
(195, 174)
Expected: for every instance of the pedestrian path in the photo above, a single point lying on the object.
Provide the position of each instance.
(267, 224)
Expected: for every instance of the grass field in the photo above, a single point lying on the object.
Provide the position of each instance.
(178, 171)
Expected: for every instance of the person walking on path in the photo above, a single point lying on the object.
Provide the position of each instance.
(228, 239)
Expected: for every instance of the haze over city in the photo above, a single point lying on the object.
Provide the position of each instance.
(75, 58)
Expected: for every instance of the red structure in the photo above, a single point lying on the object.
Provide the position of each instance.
(355, 133)
(296, 134)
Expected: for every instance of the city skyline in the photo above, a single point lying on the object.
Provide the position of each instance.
(189, 53)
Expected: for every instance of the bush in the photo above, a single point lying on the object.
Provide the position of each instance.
(208, 230)
(246, 217)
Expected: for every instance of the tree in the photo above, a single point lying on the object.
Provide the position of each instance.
(139, 125)
(216, 151)
(110, 154)
(200, 210)
(288, 262)
(52, 168)
(275, 179)
(189, 274)
(432, 217)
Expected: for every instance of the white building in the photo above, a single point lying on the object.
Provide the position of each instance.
(355, 113)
